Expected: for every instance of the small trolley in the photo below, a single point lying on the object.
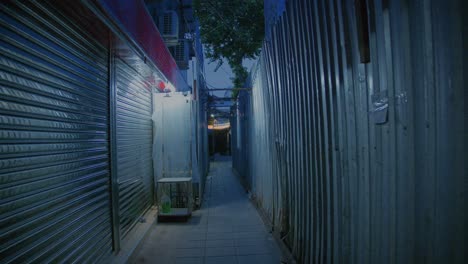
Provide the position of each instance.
(175, 199)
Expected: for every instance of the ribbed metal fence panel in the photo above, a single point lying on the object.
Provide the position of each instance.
(134, 145)
(200, 115)
(273, 9)
(360, 161)
(202, 143)
(54, 175)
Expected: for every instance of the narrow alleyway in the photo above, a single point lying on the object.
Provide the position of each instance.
(227, 229)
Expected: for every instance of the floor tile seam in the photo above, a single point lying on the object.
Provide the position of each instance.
(255, 254)
(235, 257)
(220, 256)
(207, 223)
(270, 253)
(233, 245)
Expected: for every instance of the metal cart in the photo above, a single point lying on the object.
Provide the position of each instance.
(175, 199)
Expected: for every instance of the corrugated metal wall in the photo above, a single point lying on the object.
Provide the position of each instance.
(200, 115)
(240, 122)
(361, 161)
(54, 173)
(134, 130)
(201, 149)
(76, 169)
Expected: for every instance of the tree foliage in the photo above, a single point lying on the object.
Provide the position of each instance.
(233, 30)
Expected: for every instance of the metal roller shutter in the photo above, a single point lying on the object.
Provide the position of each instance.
(134, 145)
(54, 175)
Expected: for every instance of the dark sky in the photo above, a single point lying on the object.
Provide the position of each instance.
(221, 78)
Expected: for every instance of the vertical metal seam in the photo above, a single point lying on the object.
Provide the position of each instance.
(114, 186)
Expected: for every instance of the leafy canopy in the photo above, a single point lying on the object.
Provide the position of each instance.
(233, 30)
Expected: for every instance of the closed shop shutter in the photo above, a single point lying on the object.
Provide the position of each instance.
(134, 145)
(54, 175)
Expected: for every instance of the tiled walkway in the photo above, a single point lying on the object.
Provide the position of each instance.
(227, 230)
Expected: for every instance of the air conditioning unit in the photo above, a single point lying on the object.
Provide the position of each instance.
(169, 28)
(181, 54)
